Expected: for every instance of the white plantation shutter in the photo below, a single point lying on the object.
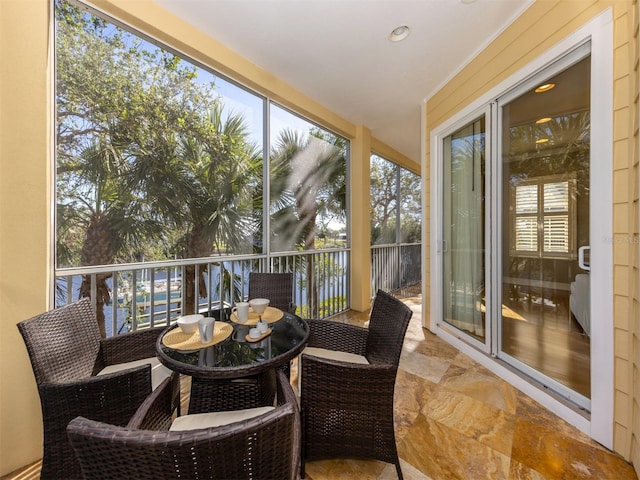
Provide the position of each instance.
(556, 197)
(542, 217)
(527, 234)
(556, 226)
(526, 199)
(556, 234)
(527, 218)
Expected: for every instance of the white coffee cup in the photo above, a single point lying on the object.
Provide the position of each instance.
(242, 311)
(205, 327)
(254, 333)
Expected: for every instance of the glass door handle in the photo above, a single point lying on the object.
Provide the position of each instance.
(581, 262)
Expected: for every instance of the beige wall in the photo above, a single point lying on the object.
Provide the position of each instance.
(25, 187)
(26, 183)
(544, 24)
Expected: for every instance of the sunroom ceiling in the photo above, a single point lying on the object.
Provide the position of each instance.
(338, 52)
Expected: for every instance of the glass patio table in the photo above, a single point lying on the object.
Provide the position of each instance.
(235, 371)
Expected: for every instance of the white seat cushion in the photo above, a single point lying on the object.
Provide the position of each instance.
(158, 371)
(215, 419)
(331, 355)
(335, 355)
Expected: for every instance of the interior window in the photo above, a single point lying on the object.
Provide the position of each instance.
(543, 209)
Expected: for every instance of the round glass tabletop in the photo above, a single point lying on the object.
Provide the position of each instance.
(236, 355)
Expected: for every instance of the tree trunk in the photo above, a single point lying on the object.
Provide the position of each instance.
(97, 250)
(191, 272)
(103, 297)
(198, 245)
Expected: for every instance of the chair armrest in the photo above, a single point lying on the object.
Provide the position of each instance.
(337, 336)
(112, 398)
(130, 346)
(156, 412)
(216, 452)
(284, 392)
(286, 398)
(345, 382)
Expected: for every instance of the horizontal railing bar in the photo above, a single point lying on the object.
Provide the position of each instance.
(156, 293)
(120, 267)
(394, 245)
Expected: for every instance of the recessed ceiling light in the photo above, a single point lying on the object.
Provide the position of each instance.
(545, 88)
(467, 2)
(399, 33)
(543, 120)
(542, 140)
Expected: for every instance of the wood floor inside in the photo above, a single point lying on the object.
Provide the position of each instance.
(550, 340)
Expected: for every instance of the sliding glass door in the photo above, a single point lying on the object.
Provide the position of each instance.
(464, 230)
(515, 228)
(544, 184)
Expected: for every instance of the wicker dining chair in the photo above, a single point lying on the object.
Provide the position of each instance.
(347, 384)
(277, 287)
(258, 444)
(79, 373)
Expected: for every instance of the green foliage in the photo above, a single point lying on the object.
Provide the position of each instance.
(308, 181)
(148, 165)
(394, 188)
(151, 165)
(324, 308)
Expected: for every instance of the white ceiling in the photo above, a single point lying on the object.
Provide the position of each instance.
(338, 52)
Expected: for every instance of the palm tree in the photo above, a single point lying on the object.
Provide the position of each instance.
(100, 204)
(124, 112)
(224, 169)
(308, 179)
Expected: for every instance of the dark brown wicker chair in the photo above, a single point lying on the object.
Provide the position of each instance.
(347, 407)
(277, 287)
(66, 354)
(262, 447)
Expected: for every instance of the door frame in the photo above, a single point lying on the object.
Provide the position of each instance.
(599, 423)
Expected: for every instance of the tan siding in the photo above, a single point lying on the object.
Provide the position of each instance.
(623, 229)
(542, 26)
(621, 121)
(634, 319)
(623, 319)
(619, 153)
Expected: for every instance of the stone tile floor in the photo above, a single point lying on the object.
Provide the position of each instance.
(456, 420)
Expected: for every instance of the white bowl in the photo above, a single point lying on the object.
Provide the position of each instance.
(259, 305)
(189, 323)
(254, 333)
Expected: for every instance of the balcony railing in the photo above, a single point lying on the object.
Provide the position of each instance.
(156, 293)
(395, 266)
